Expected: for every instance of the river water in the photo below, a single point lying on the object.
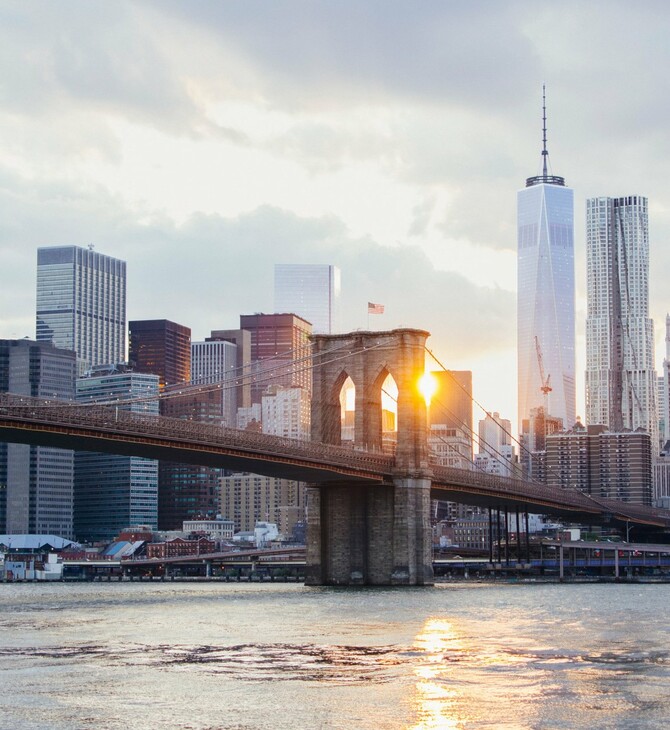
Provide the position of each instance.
(241, 656)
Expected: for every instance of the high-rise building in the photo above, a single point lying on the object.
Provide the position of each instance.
(112, 491)
(311, 291)
(242, 341)
(81, 303)
(214, 364)
(494, 433)
(664, 401)
(280, 351)
(286, 412)
(621, 386)
(249, 498)
(546, 294)
(497, 454)
(451, 404)
(36, 481)
(160, 347)
(597, 461)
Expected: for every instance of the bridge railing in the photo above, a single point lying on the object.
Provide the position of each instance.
(519, 488)
(478, 480)
(123, 423)
(126, 423)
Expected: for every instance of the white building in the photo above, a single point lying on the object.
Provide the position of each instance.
(218, 530)
(311, 291)
(265, 533)
(621, 385)
(494, 433)
(286, 412)
(214, 362)
(450, 446)
(249, 416)
(505, 463)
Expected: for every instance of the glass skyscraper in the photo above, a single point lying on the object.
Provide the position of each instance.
(112, 491)
(81, 303)
(311, 291)
(621, 385)
(36, 481)
(546, 297)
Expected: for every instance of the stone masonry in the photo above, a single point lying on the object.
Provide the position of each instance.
(371, 534)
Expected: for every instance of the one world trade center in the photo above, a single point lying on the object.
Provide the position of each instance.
(546, 294)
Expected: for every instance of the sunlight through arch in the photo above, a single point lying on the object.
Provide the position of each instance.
(347, 411)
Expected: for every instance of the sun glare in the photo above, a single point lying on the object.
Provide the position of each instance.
(427, 386)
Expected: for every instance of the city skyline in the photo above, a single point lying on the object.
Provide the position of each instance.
(203, 155)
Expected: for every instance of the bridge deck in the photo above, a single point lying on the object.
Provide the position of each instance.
(114, 430)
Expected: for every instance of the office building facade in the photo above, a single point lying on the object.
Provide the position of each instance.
(311, 291)
(280, 351)
(242, 341)
(249, 498)
(600, 462)
(113, 491)
(546, 295)
(36, 495)
(160, 347)
(621, 385)
(81, 304)
(214, 367)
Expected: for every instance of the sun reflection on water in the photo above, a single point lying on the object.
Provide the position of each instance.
(437, 704)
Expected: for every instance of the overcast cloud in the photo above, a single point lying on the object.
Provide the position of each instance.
(203, 142)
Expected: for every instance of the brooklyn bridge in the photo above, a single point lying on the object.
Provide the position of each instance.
(368, 512)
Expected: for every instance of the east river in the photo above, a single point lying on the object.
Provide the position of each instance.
(198, 656)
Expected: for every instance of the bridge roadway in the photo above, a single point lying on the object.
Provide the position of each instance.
(114, 430)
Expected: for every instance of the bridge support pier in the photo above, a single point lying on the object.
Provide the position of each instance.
(370, 535)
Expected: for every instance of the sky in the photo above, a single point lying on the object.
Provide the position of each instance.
(203, 142)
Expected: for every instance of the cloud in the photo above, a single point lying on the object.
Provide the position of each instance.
(99, 56)
(211, 269)
(321, 54)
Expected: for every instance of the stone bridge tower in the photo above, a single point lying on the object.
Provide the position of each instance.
(361, 534)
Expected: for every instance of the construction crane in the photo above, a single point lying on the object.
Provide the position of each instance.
(545, 387)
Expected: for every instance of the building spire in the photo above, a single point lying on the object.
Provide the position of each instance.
(545, 177)
(545, 154)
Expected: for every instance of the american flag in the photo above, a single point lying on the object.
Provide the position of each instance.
(375, 308)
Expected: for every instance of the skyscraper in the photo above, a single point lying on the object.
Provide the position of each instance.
(621, 384)
(664, 402)
(214, 362)
(36, 481)
(81, 303)
(546, 294)
(311, 291)
(161, 347)
(113, 491)
(280, 351)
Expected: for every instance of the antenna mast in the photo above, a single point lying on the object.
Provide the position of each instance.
(544, 133)
(545, 177)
